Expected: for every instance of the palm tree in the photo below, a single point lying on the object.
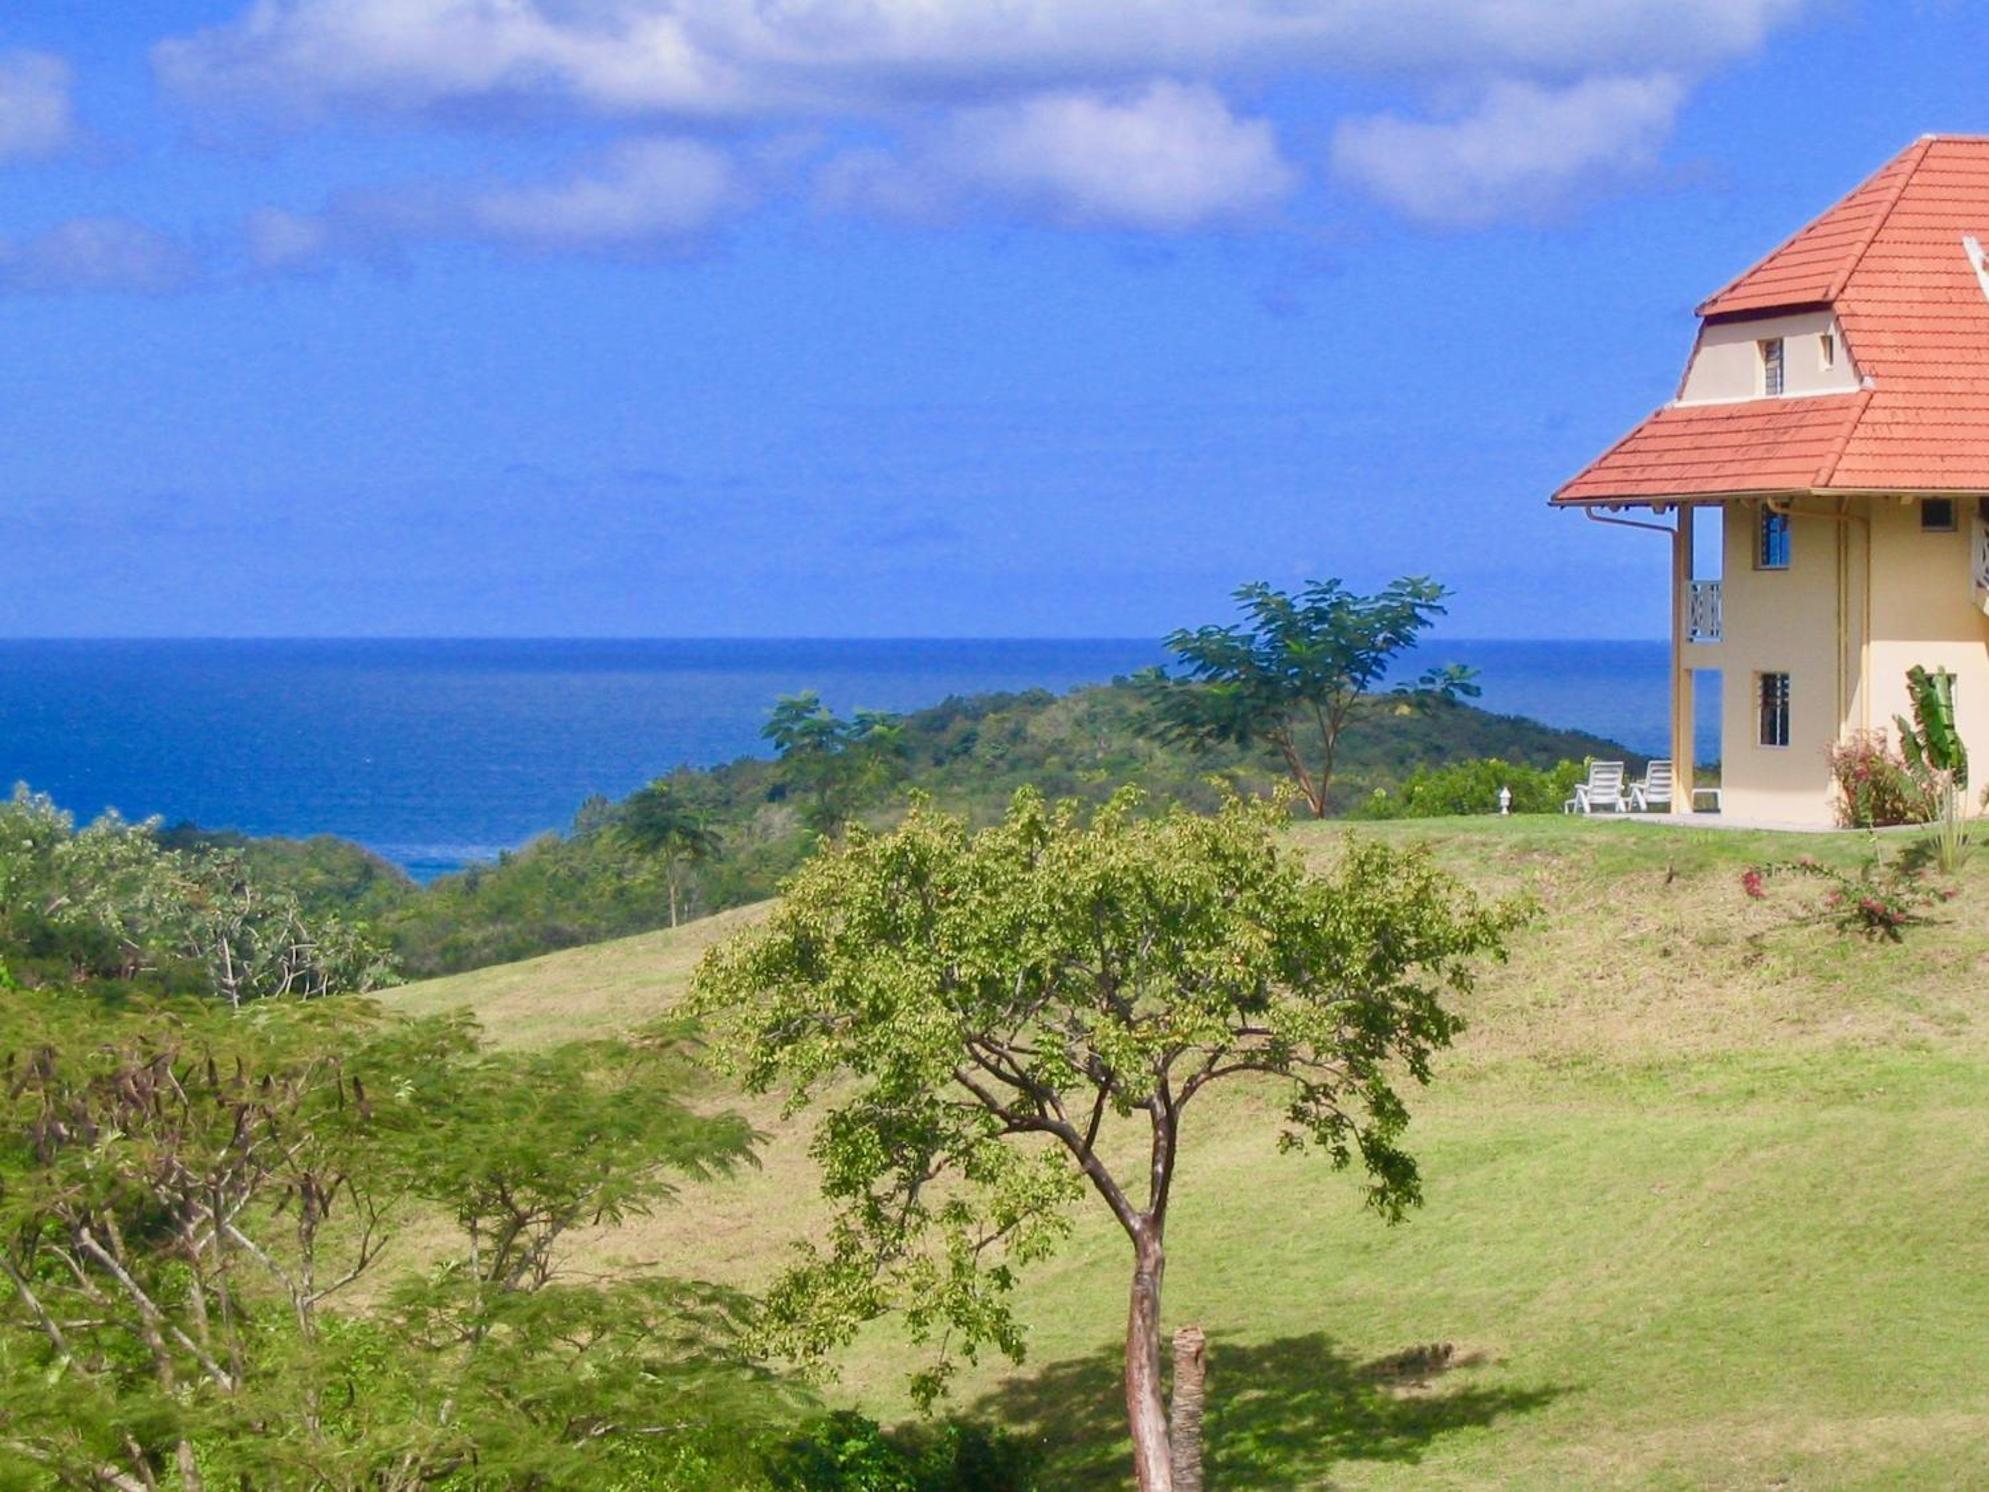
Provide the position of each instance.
(656, 821)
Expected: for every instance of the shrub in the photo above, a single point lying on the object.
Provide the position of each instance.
(1875, 788)
(844, 1452)
(1877, 900)
(1469, 787)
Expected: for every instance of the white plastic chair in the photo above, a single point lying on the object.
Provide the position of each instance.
(1602, 793)
(1654, 791)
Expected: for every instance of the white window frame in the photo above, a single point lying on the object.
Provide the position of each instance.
(1774, 366)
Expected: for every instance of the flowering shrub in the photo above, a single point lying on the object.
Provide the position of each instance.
(1878, 900)
(1875, 788)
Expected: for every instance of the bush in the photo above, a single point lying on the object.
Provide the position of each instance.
(844, 1452)
(1875, 788)
(1469, 787)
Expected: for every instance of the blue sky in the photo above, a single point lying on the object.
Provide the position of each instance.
(879, 317)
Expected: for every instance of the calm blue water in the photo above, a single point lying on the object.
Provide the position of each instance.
(438, 753)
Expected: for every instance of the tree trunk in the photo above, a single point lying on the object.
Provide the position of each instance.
(1146, 1410)
(189, 1468)
(1184, 1429)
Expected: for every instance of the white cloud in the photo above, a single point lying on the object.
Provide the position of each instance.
(1045, 108)
(1523, 150)
(279, 240)
(643, 197)
(728, 56)
(647, 193)
(90, 254)
(36, 115)
(1166, 158)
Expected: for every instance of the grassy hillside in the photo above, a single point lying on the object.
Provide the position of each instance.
(1705, 1201)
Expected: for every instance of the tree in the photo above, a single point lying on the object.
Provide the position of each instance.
(994, 1020)
(656, 820)
(110, 902)
(833, 764)
(1298, 673)
(189, 1196)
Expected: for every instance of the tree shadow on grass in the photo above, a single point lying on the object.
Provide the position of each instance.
(1281, 1414)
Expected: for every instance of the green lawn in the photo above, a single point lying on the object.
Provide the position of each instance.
(1706, 1201)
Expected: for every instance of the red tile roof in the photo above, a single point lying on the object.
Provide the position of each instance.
(1762, 445)
(1889, 261)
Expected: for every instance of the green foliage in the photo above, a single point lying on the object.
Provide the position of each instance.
(1296, 674)
(191, 1201)
(1935, 755)
(110, 903)
(975, 1011)
(1877, 899)
(1473, 787)
(657, 821)
(595, 882)
(326, 875)
(833, 766)
(1932, 743)
(844, 1452)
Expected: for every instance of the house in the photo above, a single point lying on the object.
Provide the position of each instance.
(1833, 422)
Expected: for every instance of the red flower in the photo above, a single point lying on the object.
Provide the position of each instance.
(1750, 882)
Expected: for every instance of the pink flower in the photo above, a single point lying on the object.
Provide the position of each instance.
(1750, 882)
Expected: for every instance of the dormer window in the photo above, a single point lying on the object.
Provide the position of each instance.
(1771, 366)
(1827, 351)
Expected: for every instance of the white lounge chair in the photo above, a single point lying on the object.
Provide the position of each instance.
(1602, 793)
(1654, 792)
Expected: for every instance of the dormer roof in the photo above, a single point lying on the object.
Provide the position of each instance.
(1893, 262)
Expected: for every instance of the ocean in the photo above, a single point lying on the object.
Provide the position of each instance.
(441, 753)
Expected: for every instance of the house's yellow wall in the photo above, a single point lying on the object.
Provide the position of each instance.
(1783, 621)
(1726, 364)
(1923, 611)
(1866, 596)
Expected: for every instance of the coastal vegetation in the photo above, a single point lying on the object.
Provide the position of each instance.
(1700, 1176)
(701, 840)
(266, 1221)
(113, 904)
(1697, 1174)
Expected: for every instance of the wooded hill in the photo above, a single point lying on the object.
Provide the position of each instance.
(586, 883)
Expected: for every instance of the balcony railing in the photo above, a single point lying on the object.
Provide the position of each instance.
(1702, 616)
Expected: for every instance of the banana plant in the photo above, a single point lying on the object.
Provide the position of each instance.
(1932, 744)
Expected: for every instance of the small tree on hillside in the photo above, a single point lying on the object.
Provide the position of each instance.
(656, 821)
(987, 1015)
(833, 765)
(1298, 673)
